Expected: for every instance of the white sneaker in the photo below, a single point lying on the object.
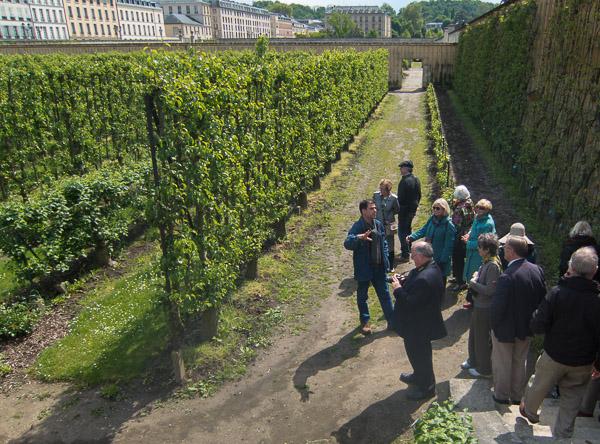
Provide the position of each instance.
(476, 374)
(465, 365)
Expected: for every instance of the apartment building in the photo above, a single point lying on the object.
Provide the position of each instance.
(367, 18)
(188, 19)
(49, 21)
(281, 26)
(140, 20)
(233, 20)
(15, 20)
(92, 19)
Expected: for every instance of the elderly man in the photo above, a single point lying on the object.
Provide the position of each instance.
(569, 318)
(418, 318)
(369, 248)
(519, 291)
(409, 196)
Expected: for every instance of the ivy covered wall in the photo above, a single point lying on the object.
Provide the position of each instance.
(530, 78)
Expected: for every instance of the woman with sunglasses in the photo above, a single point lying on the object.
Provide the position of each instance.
(440, 232)
(483, 223)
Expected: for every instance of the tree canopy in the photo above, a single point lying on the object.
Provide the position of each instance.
(293, 10)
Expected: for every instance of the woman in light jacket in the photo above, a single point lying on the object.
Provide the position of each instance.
(483, 285)
(387, 208)
(440, 232)
(483, 223)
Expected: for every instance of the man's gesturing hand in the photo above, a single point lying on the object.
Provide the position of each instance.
(365, 236)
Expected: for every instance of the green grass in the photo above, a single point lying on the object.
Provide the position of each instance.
(120, 329)
(548, 245)
(8, 280)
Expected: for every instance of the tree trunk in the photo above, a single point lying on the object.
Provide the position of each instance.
(303, 200)
(279, 228)
(252, 269)
(209, 323)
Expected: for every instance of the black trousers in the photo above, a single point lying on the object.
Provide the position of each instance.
(458, 260)
(419, 354)
(404, 229)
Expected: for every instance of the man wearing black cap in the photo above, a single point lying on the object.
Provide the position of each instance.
(409, 196)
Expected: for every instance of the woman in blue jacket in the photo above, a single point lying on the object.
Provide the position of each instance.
(483, 223)
(440, 232)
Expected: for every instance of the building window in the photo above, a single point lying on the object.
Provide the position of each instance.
(170, 9)
(78, 12)
(113, 16)
(54, 15)
(72, 28)
(81, 28)
(108, 29)
(60, 16)
(121, 14)
(95, 29)
(89, 31)
(93, 14)
(178, 9)
(85, 14)
(102, 28)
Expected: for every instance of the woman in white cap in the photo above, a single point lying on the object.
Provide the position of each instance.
(517, 230)
(462, 218)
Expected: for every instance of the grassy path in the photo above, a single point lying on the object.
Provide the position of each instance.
(319, 380)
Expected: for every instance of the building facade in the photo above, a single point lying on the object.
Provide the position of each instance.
(140, 20)
(199, 26)
(281, 27)
(49, 20)
(15, 20)
(369, 19)
(92, 19)
(233, 20)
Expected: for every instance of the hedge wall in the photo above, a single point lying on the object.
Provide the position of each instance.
(529, 76)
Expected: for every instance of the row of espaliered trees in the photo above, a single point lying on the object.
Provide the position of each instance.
(230, 141)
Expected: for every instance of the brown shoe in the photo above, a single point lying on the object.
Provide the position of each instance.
(365, 329)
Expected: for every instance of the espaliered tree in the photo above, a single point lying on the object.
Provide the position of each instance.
(234, 139)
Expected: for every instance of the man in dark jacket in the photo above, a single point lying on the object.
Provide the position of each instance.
(569, 318)
(409, 196)
(418, 318)
(369, 248)
(519, 291)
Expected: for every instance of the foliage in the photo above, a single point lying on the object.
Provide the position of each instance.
(227, 166)
(340, 25)
(438, 143)
(5, 368)
(293, 10)
(67, 221)
(492, 71)
(111, 392)
(17, 319)
(441, 424)
(410, 20)
(62, 115)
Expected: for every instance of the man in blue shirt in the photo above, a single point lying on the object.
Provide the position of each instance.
(369, 248)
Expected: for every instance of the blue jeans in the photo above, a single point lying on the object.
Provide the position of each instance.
(383, 293)
(404, 229)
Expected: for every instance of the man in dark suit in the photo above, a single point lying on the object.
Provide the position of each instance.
(519, 291)
(418, 318)
(409, 196)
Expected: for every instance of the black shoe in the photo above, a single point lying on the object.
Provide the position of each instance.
(407, 378)
(501, 401)
(417, 394)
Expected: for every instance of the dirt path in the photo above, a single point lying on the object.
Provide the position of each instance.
(326, 384)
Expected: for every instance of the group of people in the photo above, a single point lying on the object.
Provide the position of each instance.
(506, 292)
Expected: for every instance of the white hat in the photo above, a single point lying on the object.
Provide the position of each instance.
(517, 230)
(461, 192)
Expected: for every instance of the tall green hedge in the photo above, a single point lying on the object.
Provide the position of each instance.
(62, 115)
(236, 138)
(530, 81)
(493, 68)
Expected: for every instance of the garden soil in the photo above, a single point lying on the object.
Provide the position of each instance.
(325, 384)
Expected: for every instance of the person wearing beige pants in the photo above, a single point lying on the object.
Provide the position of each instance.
(572, 382)
(568, 318)
(509, 368)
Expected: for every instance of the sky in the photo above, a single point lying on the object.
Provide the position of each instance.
(396, 4)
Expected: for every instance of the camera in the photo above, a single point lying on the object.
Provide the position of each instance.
(400, 277)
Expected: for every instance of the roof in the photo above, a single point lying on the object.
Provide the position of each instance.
(181, 19)
(356, 9)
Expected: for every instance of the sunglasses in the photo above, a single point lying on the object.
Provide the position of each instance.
(437, 208)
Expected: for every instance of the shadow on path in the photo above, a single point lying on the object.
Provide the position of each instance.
(333, 356)
(381, 422)
(347, 287)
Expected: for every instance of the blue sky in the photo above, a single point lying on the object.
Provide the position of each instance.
(396, 4)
